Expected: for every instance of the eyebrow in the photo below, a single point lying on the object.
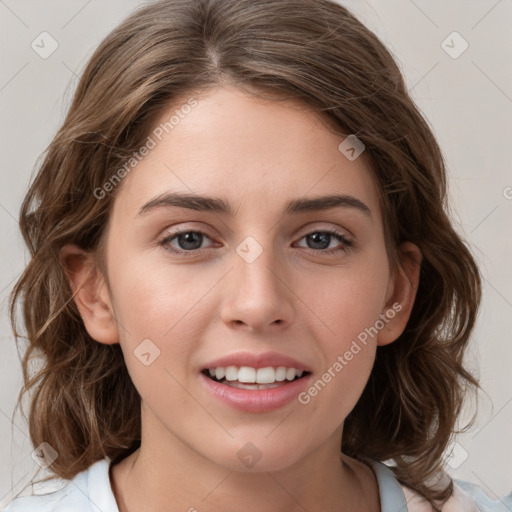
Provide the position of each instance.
(218, 205)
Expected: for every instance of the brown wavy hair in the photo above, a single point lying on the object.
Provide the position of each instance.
(314, 51)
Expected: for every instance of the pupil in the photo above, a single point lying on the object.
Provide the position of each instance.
(191, 237)
(322, 238)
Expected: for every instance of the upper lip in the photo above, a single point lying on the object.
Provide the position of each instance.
(274, 359)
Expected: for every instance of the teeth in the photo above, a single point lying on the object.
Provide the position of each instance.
(248, 375)
(281, 374)
(266, 375)
(231, 373)
(290, 374)
(239, 385)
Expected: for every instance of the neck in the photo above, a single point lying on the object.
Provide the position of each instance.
(170, 476)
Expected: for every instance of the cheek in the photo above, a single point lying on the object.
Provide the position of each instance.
(158, 326)
(348, 301)
(348, 354)
(152, 299)
(347, 308)
(333, 394)
(162, 310)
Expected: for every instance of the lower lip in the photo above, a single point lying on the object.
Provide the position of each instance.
(257, 400)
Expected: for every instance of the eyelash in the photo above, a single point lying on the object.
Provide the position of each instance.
(346, 243)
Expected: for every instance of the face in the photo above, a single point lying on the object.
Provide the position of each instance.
(260, 277)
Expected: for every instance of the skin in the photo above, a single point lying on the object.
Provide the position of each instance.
(255, 154)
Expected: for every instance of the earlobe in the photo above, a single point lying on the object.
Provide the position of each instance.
(403, 285)
(90, 294)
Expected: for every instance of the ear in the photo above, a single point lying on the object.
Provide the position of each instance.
(401, 293)
(90, 294)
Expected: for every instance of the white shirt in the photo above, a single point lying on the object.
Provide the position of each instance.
(91, 491)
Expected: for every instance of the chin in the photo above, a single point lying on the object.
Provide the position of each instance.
(258, 455)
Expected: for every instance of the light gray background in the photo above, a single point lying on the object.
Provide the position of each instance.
(467, 100)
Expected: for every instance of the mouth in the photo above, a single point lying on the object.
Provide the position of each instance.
(246, 377)
(255, 390)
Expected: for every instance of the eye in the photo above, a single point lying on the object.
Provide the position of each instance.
(321, 240)
(188, 241)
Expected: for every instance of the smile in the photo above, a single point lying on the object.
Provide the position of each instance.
(246, 377)
(255, 389)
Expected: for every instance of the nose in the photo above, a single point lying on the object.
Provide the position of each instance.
(258, 296)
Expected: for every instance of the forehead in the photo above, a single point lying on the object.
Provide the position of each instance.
(253, 152)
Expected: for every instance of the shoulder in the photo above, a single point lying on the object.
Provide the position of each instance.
(87, 491)
(68, 497)
(466, 497)
(481, 498)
